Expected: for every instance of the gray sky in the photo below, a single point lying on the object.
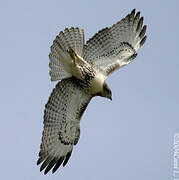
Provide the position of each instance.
(130, 137)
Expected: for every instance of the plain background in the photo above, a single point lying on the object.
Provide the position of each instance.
(130, 137)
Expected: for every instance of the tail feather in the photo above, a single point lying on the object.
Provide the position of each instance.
(60, 60)
(74, 39)
(57, 70)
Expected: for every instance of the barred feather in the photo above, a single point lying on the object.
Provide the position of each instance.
(61, 131)
(114, 47)
(70, 38)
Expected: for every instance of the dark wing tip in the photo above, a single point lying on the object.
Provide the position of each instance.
(57, 165)
(142, 33)
(137, 15)
(42, 167)
(67, 158)
(39, 161)
(54, 163)
(140, 23)
(133, 12)
(50, 165)
(46, 163)
(143, 40)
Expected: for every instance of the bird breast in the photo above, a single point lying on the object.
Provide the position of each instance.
(97, 84)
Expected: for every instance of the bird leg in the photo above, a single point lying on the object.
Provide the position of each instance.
(73, 55)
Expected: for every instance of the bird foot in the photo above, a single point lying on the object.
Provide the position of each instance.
(72, 54)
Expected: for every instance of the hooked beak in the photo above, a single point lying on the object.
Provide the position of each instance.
(110, 97)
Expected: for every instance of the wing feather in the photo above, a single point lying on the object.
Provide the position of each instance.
(116, 46)
(62, 116)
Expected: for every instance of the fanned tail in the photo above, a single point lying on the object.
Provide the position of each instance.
(60, 60)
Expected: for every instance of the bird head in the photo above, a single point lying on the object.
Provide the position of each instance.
(106, 91)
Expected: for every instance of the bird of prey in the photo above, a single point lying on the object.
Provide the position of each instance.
(81, 70)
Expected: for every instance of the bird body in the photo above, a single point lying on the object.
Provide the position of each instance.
(81, 70)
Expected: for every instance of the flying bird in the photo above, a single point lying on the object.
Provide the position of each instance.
(81, 70)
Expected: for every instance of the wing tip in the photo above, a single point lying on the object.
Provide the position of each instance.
(38, 161)
(133, 12)
(143, 31)
(58, 164)
(67, 158)
(140, 28)
(143, 40)
(54, 163)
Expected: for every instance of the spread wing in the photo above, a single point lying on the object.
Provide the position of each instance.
(61, 131)
(116, 46)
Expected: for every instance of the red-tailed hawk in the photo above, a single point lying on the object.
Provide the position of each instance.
(83, 69)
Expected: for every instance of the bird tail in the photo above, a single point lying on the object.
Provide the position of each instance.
(60, 60)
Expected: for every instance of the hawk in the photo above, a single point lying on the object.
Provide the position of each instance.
(82, 70)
